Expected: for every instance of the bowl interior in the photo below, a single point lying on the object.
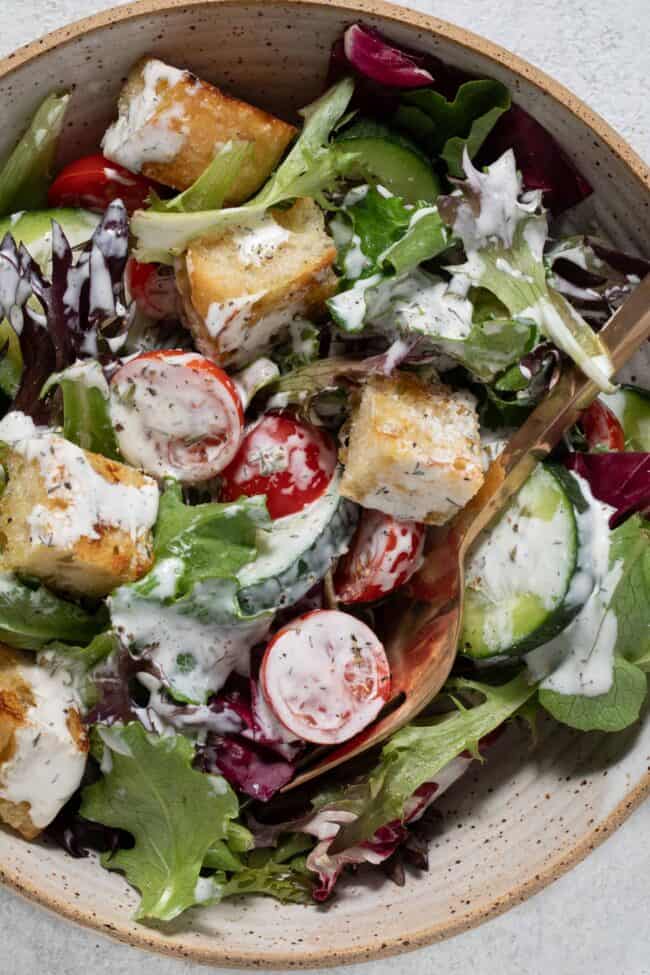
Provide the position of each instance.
(510, 826)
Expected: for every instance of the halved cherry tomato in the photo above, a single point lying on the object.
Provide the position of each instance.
(176, 414)
(325, 676)
(601, 428)
(292, 463)
(94, 181)
(153, 288)
(384, 555)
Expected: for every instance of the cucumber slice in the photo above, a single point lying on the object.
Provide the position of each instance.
(518, 592)
(297, 552)
(33, 228)
(631, 406)
(387, 158)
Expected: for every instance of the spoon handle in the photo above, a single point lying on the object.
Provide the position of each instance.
(623, 335)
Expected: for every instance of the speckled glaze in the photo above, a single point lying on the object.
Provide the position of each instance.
(531, 813)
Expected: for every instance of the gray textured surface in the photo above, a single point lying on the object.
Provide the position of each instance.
(594, 919)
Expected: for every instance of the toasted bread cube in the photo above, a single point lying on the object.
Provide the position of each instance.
(241, 291)
(43, 744)
(413, 451)
(76, 520)
(171, 125)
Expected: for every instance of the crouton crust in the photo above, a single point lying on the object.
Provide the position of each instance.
(92, 566)
(207, 119)
(256, 302)
(412, 450)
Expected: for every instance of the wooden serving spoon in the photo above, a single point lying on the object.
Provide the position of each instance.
(422, 645)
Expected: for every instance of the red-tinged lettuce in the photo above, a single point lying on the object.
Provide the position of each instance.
(369, 53)
(620, 479)
(540, 159)
(249, 768)
(368, 819)
(595, 278)
(258, 757)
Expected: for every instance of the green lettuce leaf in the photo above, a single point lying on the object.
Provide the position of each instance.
(212, 540)
(378, 233)
(310, 167)
(630, 602)
(32, 617)
(279, 872)
(504, 239)
(448, 128)
(613, 711)
(301, 348)
(418, 752)
(380, 243)
(25, 176)
(11, 363)
(86, 414)
(174, 813)
(185, 611)
(211, 188)
(495, 341)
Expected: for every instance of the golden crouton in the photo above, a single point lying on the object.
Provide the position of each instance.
(43, 743)
(413, 451)
(171, 125)
(77, 520)
(241, 291)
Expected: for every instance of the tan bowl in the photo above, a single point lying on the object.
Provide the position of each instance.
(529, 815)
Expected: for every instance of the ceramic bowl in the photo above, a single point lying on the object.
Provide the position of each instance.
(520, 821)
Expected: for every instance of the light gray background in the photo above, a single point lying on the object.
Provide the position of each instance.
(594, 920)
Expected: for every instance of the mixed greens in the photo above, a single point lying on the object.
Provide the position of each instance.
(230, 436)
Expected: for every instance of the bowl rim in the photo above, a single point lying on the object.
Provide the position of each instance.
(144, 937)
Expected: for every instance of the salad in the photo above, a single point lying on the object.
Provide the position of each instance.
(250, 372)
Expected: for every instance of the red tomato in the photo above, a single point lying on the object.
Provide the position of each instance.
(291, 462)
(601, 428)
(384, 555)
(325, 676)
(94, 181)
(176, 414)
(153, 288)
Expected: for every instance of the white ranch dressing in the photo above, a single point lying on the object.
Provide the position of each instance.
(233, 312)
(238, 344)
(284, 543)
(17, 426)
(140, 135)
(47, 763)
(196, 647)
(250, 380)
(258, 243)
(80, 499)
(89, 373)
(192, 720)
(425, 304)
(580, 660)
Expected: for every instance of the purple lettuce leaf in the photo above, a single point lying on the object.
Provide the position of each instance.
(82, 297)
(620, 479)
(249, 767)
(540, 159)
